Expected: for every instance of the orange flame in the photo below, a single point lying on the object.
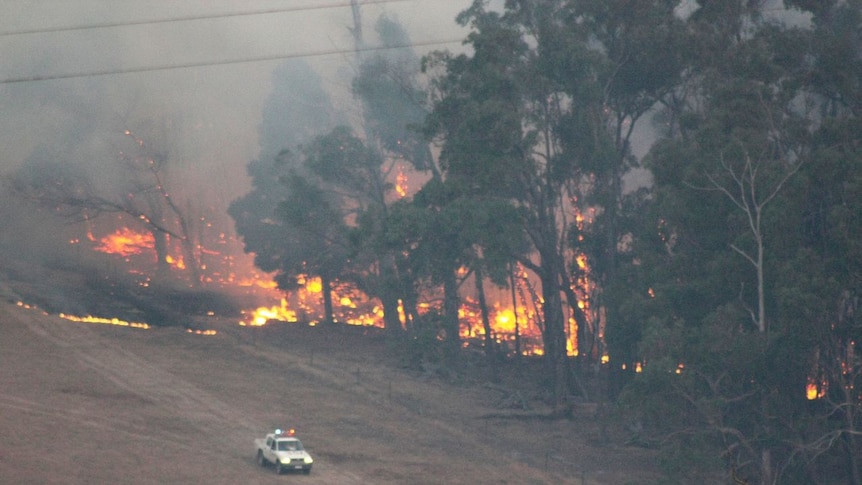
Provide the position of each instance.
(106, 321)
(401, 183)
(815, 390)
(125, 242)
(260, 316)
(178, 262)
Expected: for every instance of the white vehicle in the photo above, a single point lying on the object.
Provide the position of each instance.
(284, 450)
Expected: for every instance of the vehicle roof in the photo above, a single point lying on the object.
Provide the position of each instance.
(281, 437)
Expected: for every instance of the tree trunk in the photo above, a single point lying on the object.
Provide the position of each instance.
(160, 244)
(451, 305)
(391, 321)
(326, 288)
(389, 293)
(850, 419)
(191, 261)
(761, 298)
(486, 324)
(515, 313)
(554, 335)
(766, 477)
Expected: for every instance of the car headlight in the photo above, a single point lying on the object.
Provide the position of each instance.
(308, 460)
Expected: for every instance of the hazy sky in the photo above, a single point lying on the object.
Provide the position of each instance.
(207, 117)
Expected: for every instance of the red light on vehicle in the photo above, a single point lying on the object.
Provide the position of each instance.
(291, 432)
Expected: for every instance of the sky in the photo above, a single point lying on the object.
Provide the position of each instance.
(100, 63)
(207, 117)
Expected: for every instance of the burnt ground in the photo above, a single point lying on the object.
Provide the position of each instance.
(89, 403)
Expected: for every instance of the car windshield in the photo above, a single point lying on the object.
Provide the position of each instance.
(289, 445)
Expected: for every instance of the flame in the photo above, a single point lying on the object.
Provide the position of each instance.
(515, 325)
(314, 285)
(178, 262)
(109, 321)
(260, 316)
(526, 334)
(815, 390)
(505, 320)
(125, 242)
(255, 281)
(401, 186)
(106, 321)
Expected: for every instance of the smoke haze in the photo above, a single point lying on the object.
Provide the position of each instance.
(207, 120)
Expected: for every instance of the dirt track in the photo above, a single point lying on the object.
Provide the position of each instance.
(84, 403)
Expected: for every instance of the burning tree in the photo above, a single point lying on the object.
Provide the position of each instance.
(340, 198)
(541, 116)
(769, 123)
(497, 144)
(292, 245)
(137, 190)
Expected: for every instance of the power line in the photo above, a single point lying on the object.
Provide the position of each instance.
(109, 25)
(108, 72)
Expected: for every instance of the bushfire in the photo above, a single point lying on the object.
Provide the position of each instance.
(517, 330)
(125, 242)
(515, 318)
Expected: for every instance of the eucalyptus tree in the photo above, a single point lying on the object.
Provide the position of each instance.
(447, 235)
(616, 61)
(741, 285)
(341, 195)
(393, 99)
(297, 110)
(542, 115)
(135, 184)
(494, 128)
(831, 222)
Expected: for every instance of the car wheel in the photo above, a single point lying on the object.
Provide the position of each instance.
(278, 468)
(260, 459)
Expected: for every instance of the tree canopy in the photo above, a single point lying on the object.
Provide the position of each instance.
(719, 300)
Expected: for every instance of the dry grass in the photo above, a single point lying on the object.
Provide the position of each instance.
(84, 403)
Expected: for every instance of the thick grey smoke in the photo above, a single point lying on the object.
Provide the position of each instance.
(206, 119)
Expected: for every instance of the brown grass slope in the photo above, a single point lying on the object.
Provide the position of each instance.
(86, 403)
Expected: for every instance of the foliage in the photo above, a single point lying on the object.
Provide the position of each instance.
(733, 280)
(738, 280)
(392, 99)
(280, 245)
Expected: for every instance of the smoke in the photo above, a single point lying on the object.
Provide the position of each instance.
(210, 114)
(208, 121)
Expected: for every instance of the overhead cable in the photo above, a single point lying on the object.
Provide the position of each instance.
(246, 60)
(108, 25)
